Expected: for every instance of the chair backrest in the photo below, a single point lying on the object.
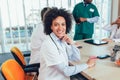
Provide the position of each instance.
(11, 70)
(18, 55)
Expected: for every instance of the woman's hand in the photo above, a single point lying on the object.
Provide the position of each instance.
(113, 23)
(67, 39)
(107, 39)
(91, 62)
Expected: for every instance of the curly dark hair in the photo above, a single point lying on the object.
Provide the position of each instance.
(43, 11)
(52, 15)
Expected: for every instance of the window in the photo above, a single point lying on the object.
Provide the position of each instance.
(18, 18)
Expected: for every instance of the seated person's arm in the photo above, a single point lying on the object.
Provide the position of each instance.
(71, 70)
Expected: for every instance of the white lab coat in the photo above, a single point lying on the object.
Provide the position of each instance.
(52, 55)
(37, 39)
(114, 32)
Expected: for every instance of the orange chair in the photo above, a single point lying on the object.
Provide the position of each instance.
(11, 70)
(18, 55)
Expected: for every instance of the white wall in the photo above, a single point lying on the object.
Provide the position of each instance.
(115, 9)
(119, 8)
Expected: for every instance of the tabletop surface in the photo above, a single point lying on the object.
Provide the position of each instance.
(104, 69)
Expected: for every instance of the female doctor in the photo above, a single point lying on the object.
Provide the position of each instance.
(58, 49)
(114, 29)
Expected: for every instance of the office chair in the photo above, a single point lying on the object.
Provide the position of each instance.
(11, 70)
(18, 55)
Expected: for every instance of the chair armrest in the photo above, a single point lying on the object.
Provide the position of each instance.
(33, 65)
(31, 69)
(26, 55)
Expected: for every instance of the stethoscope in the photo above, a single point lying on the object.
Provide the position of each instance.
(56, 45)
(59, 50)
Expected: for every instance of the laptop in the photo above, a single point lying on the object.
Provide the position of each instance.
(95, 42)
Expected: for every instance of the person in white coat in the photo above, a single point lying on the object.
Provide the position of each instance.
(37, 38)
(58, 49)
(114, 29)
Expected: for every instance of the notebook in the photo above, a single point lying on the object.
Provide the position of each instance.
(95, 42)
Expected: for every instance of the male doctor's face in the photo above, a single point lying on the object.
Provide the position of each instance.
(59, 27)
(88, 1)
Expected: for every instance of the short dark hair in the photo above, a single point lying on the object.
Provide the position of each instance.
(43, 11)
(52, 14)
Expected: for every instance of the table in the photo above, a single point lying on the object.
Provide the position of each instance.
(104, 69)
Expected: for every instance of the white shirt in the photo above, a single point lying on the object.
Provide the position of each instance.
(115, 32)
(93, 20)
(54, 53)
(37, 38)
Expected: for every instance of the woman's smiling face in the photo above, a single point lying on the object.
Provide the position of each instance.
(59, 27)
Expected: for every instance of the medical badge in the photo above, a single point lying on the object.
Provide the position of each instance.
(91, 10)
